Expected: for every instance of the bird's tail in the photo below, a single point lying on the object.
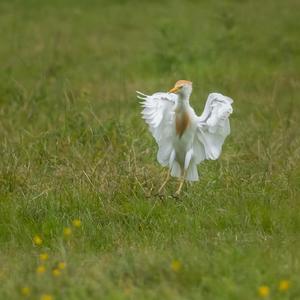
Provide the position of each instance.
(192, 172)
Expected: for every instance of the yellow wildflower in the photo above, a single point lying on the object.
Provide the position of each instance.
(264, 291)
(44, 256)
(25, 291)
(176, 265)
(67, 231)
(56, 272)
(40, 269)
(37, 240)
(284, 285)
(128, 291)
(46, 297)
(61, 265)
(76, 223)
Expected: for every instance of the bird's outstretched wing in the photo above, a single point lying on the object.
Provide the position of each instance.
(158, 113)
(212, 127)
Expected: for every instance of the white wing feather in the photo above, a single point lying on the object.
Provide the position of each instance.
(158, 113)
(213, 124)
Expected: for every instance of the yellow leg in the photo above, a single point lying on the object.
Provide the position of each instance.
(165, 182)
(180, 184)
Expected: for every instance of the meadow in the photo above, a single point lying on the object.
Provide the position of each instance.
(79, 218)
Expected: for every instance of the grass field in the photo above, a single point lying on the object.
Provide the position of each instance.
(73, 146)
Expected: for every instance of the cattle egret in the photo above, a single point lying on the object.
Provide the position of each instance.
(184, 139)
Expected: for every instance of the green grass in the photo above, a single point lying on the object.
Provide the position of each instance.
(73, 145)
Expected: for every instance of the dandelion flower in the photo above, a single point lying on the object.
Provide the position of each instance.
(56, 272)
(264, 291)
(284, 285)
(41, 269)
(176, 265)
(128, 291)
(44, 256)
(76, 223)
(37, 240)
(67, 231)
(25, 291)
(46, 297)
(61, 265)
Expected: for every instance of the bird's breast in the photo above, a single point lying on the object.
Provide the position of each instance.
(182, 122)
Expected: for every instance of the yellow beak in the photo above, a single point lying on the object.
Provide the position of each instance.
(174, 89)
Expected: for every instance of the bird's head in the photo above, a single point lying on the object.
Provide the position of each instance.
(183, 88)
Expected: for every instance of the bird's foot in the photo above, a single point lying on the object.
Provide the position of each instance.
(159, 195)
(160, 192)
(175, 196)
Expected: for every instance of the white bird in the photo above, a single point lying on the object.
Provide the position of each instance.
(184, 139)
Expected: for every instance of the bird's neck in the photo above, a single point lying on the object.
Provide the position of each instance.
(182, 118)
(183, 103)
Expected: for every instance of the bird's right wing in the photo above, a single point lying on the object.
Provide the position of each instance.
(213, 126)
(158, 113)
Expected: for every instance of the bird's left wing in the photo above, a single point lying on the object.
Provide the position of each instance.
(213, 125)
(158, 113)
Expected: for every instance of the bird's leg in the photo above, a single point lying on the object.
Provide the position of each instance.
(180, 183)
(165, 182)
(187, 161)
